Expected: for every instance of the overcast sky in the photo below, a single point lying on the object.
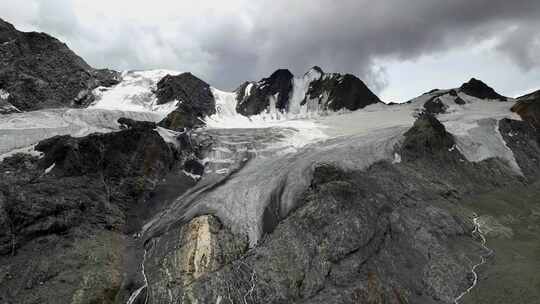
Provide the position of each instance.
(401, 48)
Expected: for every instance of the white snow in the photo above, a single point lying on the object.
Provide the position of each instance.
(247, 91)
(475, 127)
(25, 150)
(193, 176)
(300, 89)
(397, 158)
(49, 169)
(4, 94)
(135, 93)
(169, 136)
(371, 118)
(225, 105)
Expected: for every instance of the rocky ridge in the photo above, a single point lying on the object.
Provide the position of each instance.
(38, 71)
(316, 90)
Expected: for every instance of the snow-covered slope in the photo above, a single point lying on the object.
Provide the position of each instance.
(134, 93)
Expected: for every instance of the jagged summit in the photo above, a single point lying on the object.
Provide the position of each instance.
(270, 92)
(315, 91)
(479, 89)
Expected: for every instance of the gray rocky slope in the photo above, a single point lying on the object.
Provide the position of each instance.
(142, 214)
(38, 71)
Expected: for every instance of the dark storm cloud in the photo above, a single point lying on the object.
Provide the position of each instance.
(253, 39)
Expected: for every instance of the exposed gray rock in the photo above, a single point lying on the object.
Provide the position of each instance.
(256, 100)
(38, 71)
(528, 107)
(66, 218)
(436, 106)
(427, 138)
(524, 141)
(345, 92)
(195, 100)
(184, 255)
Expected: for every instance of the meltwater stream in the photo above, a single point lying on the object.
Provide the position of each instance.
(483, 257)
(135, 295)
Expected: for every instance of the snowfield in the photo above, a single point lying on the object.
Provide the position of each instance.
(134, 93)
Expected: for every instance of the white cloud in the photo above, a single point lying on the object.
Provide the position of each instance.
(226, 42)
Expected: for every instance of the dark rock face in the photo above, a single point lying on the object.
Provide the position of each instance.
(65, 219)
(459, 101)
(127, 123)
(38, 71)
(195, 100)
(257, 100)
(524, 140)
(480, 90)
(426, 138)
(435, 106)
(343, 91)
(528, 107)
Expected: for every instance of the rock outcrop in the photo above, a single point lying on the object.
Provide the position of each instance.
(195, 100)
(38, 71)
(254, 98)
(341, 92)
(528, 107)
(479, 89)
(435, 106)
(427, 138)
(187, 254)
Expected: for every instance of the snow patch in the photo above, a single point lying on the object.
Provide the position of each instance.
(247, 91)
(397, 158)
(193, 176)
(49, 169)
(4, 94)
(169, 136)
(25, 150)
